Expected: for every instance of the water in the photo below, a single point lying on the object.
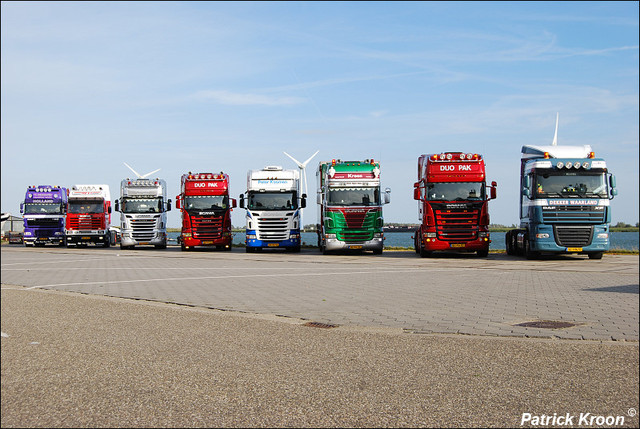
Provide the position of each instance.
(619, 240)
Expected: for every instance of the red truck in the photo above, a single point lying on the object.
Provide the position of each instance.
(88, 216)
(206, 211)
(452, 204)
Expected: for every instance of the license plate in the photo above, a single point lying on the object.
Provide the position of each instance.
(457, 245)
(144, 242)
(273, 244)
(207, 242)
(574, 249)
(42, 238)
(355, 247)
(86, 238)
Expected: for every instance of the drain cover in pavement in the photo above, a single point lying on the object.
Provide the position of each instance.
(546, 324)
(319, 325)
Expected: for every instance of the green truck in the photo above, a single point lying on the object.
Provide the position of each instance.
(350, 206)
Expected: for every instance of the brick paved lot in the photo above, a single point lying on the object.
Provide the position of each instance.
(450, 294)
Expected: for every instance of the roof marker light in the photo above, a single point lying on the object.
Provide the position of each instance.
(546, 155)
(592, 155)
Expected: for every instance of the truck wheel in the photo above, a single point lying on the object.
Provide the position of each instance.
(483, 253)
(528, 253)
(161, 246)
(508, 244)
(425, 253)
(595, 255)
(377, 251)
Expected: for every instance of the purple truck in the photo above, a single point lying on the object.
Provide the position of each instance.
(44, 209)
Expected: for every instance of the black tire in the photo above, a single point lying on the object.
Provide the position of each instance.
(377, 251)
(483, 253)
(528, 253)
(595, 255)
(508, 243)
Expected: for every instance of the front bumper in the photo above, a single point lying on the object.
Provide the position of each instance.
(195, 242)
(333, 244)
(80, 236)
(292, 241)
(159, 239)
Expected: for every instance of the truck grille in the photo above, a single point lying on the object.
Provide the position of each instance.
(574, 214)
(457, 224)
(143, 229)
(85, 223)
(573, 236)
(206, 228)
(356, 226)
(43, 222)
(273, 229)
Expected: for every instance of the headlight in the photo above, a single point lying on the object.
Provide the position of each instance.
(377, 235)
(251, 236)
(431, 235)
(330, 236)
(483, 234)
(603, 235)
(542, 235)
(27, 233)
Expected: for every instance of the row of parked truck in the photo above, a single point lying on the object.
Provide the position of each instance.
(564, 207)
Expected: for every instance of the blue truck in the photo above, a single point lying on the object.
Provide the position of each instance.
(44, 209)
(565, 193)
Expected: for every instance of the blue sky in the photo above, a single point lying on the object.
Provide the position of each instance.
(211, 86)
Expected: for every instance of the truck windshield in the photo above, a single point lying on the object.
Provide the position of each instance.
(460, 191)
(567, 184)
(206, 202)
(353, 197)
(42, 208)
(272, 201)
(142, 205)
(79, 207)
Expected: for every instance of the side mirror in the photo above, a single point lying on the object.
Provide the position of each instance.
(234, 203)
(303, 201)
(169, 205)
(493, 192)
(526, 192)
(117, 205)
(527, 181)
(178, 202)
(241, 201)
(109, 209)
(387, 196)
(612, 181)
(21, 207)
(416, 191)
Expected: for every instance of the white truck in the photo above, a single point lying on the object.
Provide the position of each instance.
(143, 208)
(273, 204)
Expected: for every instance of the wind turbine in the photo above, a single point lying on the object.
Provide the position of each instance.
(555, 136)
(302, 166)
(139, 176)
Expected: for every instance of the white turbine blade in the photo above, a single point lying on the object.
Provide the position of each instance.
(134, 171)
(555, 136)
(294, 160)
(151, 172)
(304, 164)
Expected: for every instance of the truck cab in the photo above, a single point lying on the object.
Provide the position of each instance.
(452, 204)
(206, 211)
(350, 206)
(88, 216)
(143, 208)
(44, 209)
(564, 203)
(273, 202)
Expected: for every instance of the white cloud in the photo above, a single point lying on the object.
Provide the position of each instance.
(245, 99)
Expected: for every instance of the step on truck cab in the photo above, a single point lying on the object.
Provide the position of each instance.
(273, 204)
(564, 203)
(350, 206)
(44, 209)
(143, 208)
(88, 215)
(453, 205)
(206, 211)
